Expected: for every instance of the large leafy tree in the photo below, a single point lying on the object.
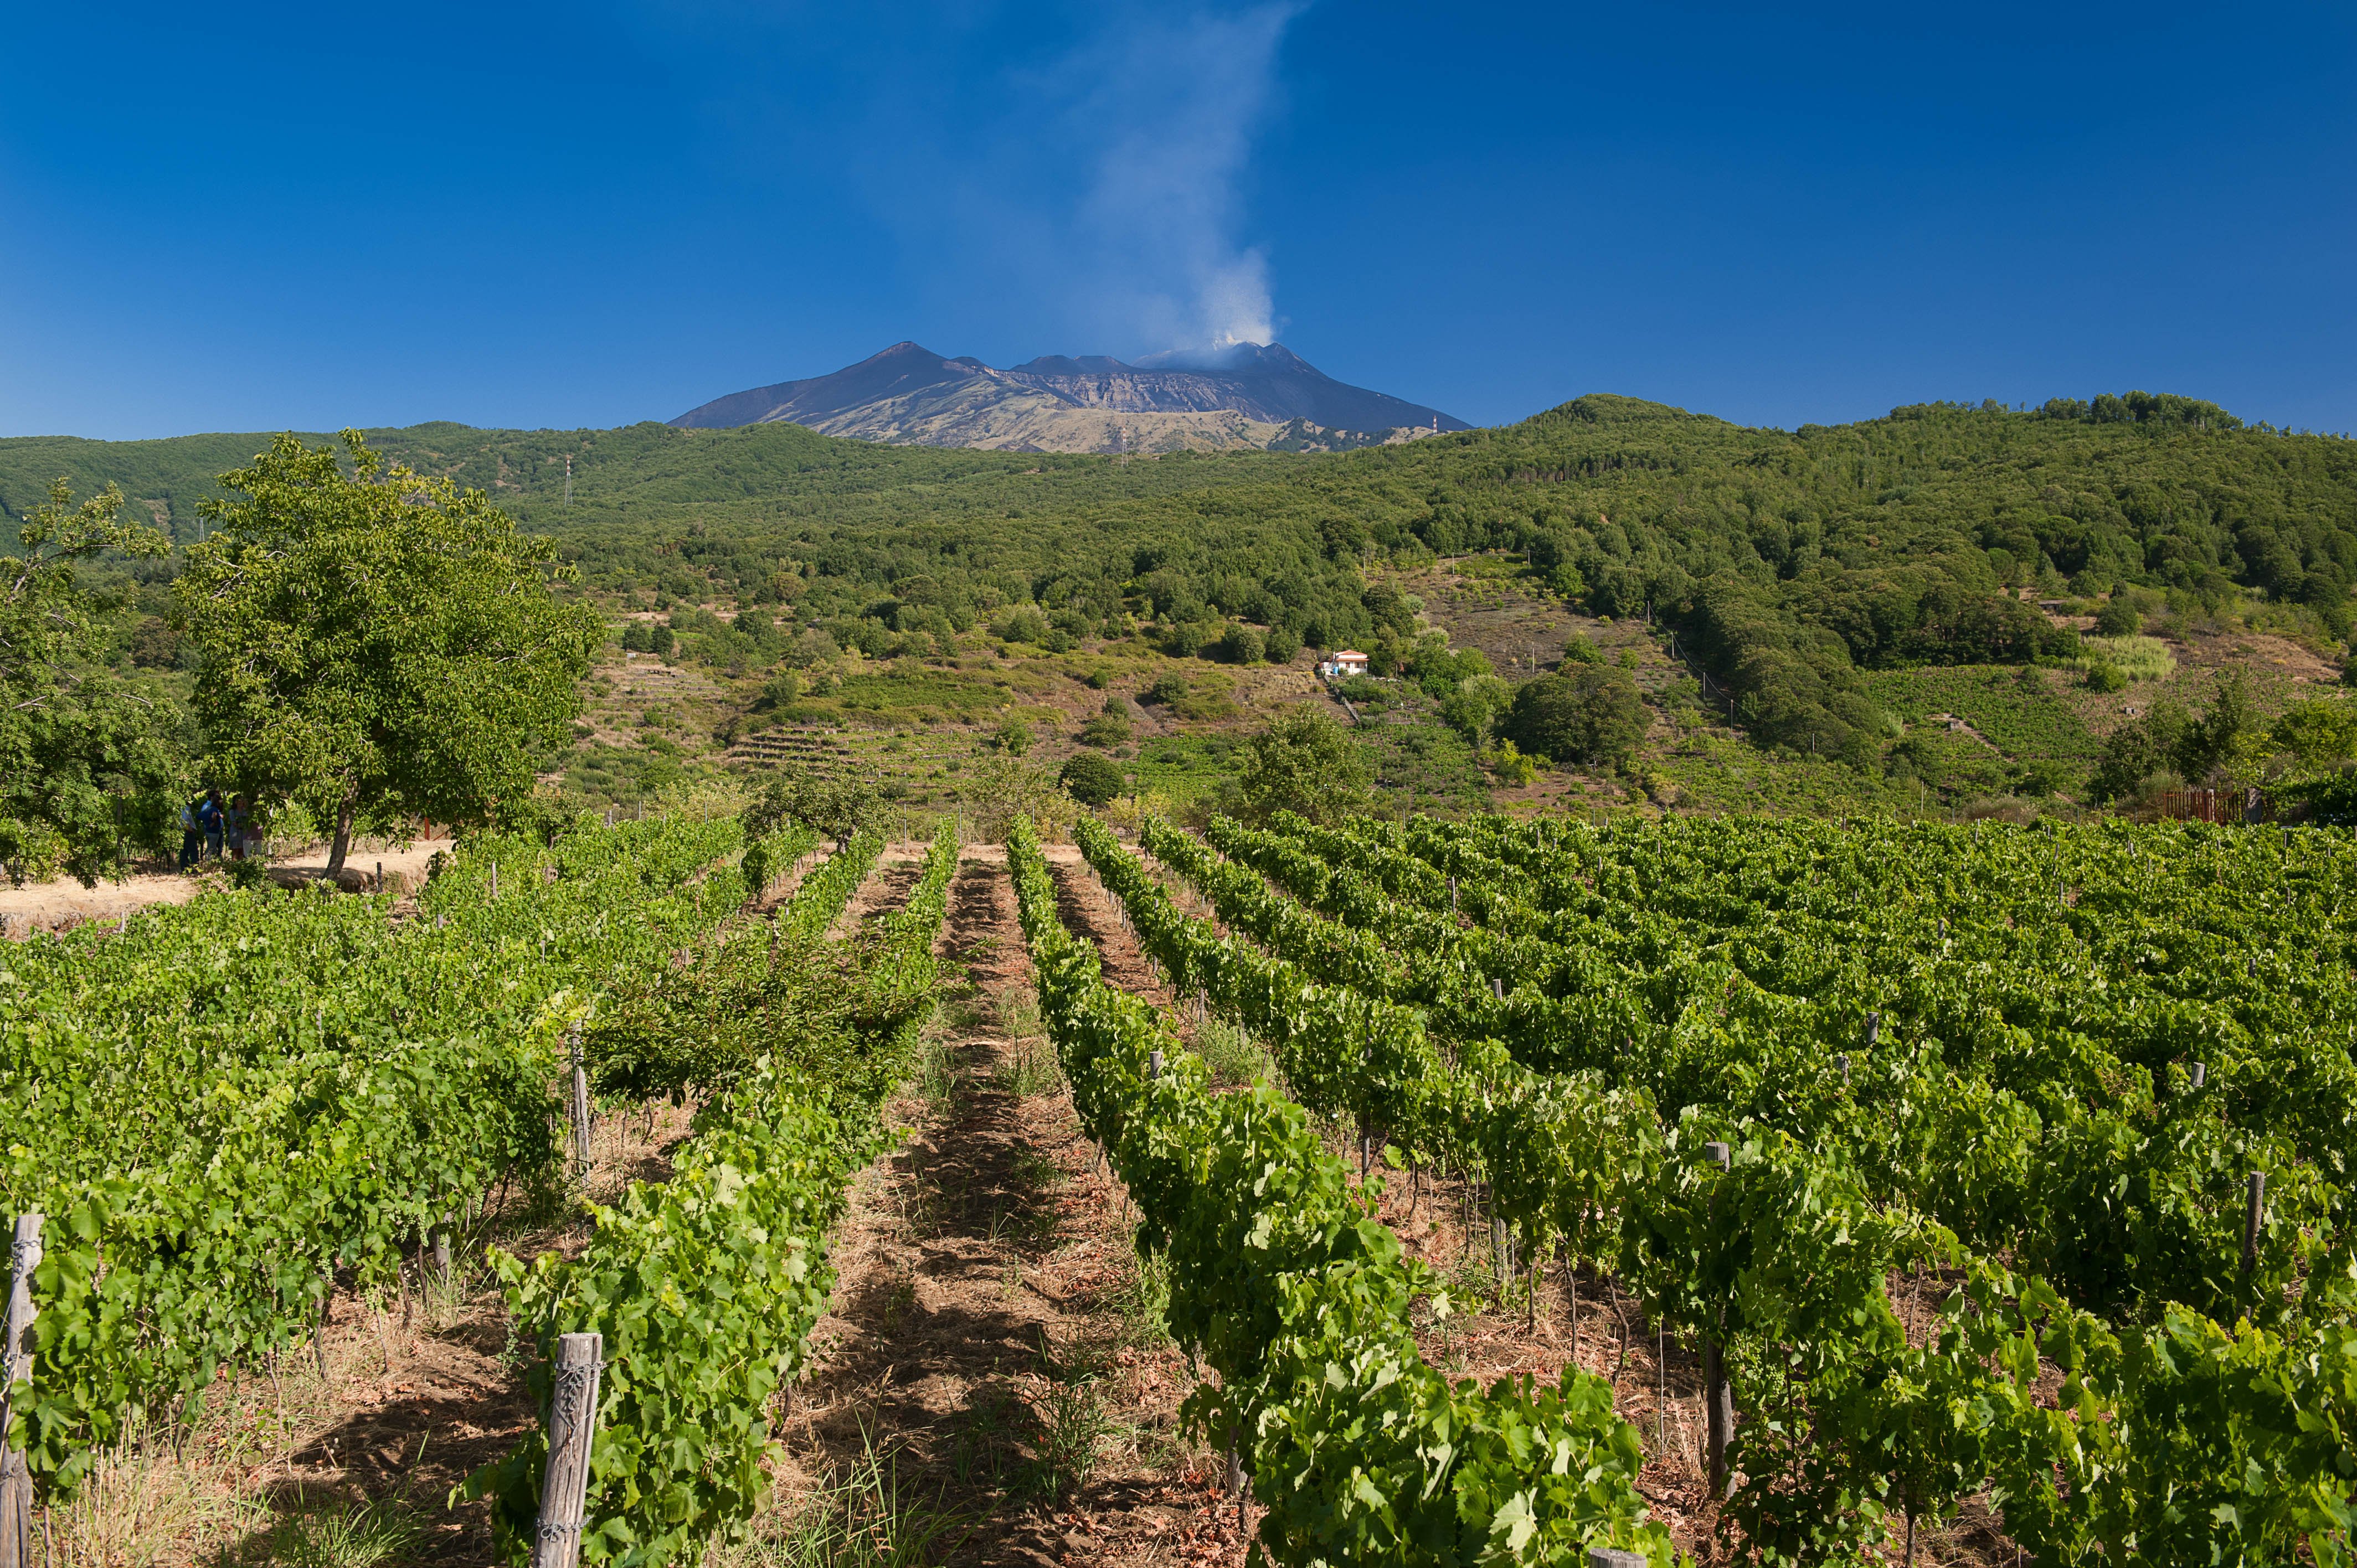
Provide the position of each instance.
(1303, 762)
(376, 643)
(1590, 714)
(85, 761)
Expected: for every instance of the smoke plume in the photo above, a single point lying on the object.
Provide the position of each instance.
(1171, 102)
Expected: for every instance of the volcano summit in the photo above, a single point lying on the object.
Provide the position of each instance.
(1248, 397)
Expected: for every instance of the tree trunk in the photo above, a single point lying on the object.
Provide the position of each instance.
(343, 840)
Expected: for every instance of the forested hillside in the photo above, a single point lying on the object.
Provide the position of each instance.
(1791, 561)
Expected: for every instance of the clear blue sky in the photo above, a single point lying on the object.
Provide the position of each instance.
(597, 212)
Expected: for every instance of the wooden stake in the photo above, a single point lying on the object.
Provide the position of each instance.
(16, 1367)
(2254, 1212)
(572, 1427)
(1718, 1396)
(580, 1108)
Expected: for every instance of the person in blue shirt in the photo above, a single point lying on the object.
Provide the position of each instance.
(212, 816)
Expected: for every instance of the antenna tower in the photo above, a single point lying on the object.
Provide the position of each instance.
(568, 479)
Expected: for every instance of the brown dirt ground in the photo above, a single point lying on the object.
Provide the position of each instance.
(983, 1309)
(61, 905)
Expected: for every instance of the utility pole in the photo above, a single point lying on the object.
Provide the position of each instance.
(568, 479)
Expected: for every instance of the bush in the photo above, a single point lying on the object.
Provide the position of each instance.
(1281, 645)
(1239, 644)
(1591, 715)
(1512, 768)
(1169, 688)
(1181, 640)
(1091, 779)
(634, 639)
(782, 689)
(1364, 689)
(1109, 728)
(1582, 649)
(1012, 736)
(2118, 618)
(1020, 624)
(2331, 801)
(2103, 675)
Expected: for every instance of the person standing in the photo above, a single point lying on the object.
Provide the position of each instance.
(234, 826)
(192, 833)
(212, 816)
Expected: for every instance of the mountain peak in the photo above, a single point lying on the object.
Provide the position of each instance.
(1252, 395)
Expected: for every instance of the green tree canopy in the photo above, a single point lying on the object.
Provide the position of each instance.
(1305, 762)
(376, 643)
(85, 762)
(1093, 780)
(1591, 714)
(837, 806)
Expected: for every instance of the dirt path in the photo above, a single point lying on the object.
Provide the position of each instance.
(887, 888)
(992, 1333)
(61, 905)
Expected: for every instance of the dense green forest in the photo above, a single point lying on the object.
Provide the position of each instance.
(1791, 563)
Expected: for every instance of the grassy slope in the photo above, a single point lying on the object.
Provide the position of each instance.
(1627, 492)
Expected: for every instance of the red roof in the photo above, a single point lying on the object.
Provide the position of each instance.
(1349, 653)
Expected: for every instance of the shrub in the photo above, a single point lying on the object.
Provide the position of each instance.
(1591, 715)
(1020, 624)
(1512, 767)
(1239, 644)
(1109, 728)
(1180, 641)
(1012, 736)
(1582, 649)
(2118, 618)
(1091, 779)
(1171, 687)
(2103, 675)
(1281, 645)
(782, 689)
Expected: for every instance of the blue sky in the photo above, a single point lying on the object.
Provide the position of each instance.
(597, 212)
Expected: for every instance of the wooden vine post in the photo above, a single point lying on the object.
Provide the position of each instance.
(1614, 1557)
(1718, 1398)
(16, 1367)
(2254, 1216)
(572, 1424)
(580, 1108)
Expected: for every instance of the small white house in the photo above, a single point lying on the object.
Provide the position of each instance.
(1347, 662)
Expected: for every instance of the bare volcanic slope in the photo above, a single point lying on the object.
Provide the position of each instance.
(1252, 396)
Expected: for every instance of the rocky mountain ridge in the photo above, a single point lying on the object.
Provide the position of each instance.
(1251, 396)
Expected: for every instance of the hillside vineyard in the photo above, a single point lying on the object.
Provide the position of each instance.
(1977, 1162)
(353, 1098)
